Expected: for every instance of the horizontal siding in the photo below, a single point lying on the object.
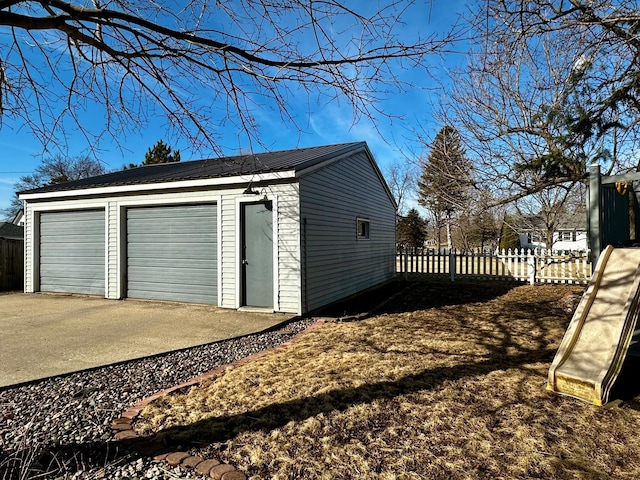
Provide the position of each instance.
(229, 264)
(29, 251)
(339, 264)
(288, 255)
(112, 251)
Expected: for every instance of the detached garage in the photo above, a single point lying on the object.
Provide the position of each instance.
(286, 231)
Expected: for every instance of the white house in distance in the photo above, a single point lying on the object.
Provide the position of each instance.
(571, 234)
(287, 231)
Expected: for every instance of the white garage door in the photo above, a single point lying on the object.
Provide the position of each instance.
(172, 253)
(72, 252)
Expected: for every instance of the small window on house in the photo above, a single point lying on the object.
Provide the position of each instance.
(362, 225)
(567, 236)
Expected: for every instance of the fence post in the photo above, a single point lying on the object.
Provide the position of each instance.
(405, 262)
(531, 265)
(452, 264)
(594, 192)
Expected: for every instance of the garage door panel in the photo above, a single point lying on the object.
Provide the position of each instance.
(153, 287)
(61, 253)
(172, 253)
(80, 218)
(189, 297)
(66, 270)
(72, 252)
(175, 292)
(163, 253)
(73, 287)
(67, 285)
(187, 225)
(56, 237)
(84, 218)
(178, 275)
(163, 263)
(169, 212)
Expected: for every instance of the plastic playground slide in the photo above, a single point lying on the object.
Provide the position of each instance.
(596, 342)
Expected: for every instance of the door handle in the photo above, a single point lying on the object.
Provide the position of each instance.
(245, 262)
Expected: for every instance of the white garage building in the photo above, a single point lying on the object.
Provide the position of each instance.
(287, 231)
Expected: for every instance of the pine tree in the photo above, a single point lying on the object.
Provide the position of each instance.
(509, 238)
(446, 178)
(159, 153)
(412, 229)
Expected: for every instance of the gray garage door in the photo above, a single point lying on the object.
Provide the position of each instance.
(72, 254)
(172, 253)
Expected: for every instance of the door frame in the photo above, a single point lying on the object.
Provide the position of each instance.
(263, 198)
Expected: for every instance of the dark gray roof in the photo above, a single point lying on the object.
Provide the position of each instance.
(576, 220)
(11, 231)
(257, 163)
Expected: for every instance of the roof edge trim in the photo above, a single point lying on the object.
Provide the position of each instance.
(147, 187)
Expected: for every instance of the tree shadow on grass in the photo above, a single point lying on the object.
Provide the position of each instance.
(46, 461)
(400, 296)
(499, 349)
(224, 428)
(518, 336)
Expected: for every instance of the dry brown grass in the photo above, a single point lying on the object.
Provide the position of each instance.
(447, 383)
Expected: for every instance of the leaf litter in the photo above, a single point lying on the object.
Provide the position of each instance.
(446, 381)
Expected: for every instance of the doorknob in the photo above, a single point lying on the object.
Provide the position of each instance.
(245, 262)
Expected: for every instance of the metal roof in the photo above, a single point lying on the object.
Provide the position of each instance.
(297, 159)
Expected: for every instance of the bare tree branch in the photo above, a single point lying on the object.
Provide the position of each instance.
(207, 63)
(550, 87)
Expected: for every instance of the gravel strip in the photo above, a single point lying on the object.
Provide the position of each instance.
(59, 428)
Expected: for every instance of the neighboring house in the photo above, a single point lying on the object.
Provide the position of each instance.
(570, 235)
(11, 231)
(18, 219)
(286, 231)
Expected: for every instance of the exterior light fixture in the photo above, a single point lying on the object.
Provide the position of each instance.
(250, 191)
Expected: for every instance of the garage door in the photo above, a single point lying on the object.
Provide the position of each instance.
(72, 252)
(172, 253)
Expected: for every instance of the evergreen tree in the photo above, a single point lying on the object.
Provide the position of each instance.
(159, 153)
(509, 238)
(446, 178)
(412, 229)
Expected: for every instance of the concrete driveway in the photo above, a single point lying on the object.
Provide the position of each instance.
(42, 335)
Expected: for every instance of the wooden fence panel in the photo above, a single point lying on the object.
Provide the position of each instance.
(11, 264)
(531, 266)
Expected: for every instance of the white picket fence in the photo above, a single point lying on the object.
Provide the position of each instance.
(523, 265)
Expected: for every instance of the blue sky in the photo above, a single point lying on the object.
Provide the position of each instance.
(321, 124)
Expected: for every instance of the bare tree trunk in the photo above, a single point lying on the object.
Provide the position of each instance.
(632, 215)
(448, 225)
(549, 240)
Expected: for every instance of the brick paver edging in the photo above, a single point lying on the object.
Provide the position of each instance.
(123, 432)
